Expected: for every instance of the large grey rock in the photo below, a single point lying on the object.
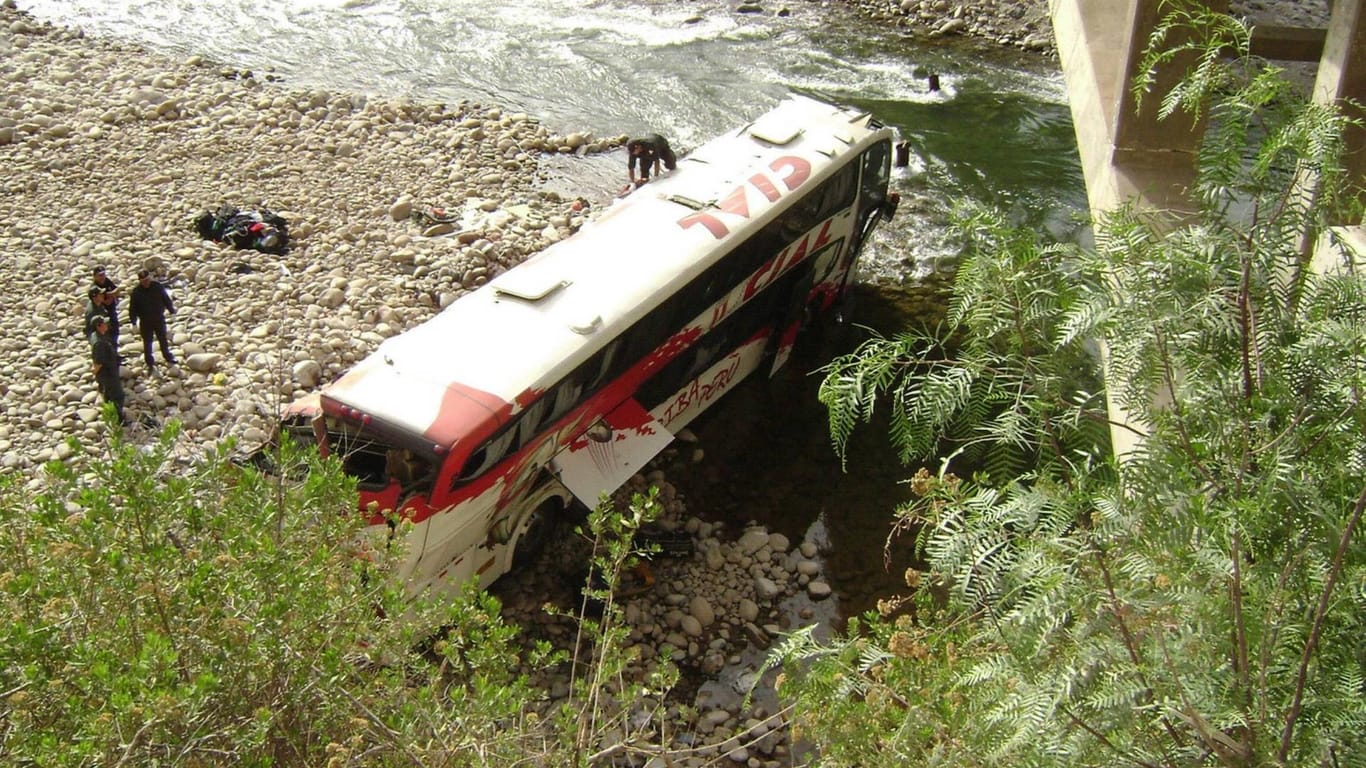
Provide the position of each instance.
(753, 540)
(690, 625)
(332, 298)
(308, 373)
(766, 589)
(748, 610)
(205, 362)
(702, 611)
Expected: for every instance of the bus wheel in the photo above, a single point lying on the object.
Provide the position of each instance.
(535, 534)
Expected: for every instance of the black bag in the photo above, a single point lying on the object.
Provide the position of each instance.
(261, 230)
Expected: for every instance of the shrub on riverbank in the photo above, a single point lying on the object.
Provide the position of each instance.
(212, 616)
(1200, 602)
(157, 613)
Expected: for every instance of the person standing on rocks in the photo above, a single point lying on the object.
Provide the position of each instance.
(96, 305)
(648, 151)
(105, 357)
(148, 306)
(112, 294)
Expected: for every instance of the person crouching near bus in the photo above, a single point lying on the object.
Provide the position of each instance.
(648, 152)
(106, 364)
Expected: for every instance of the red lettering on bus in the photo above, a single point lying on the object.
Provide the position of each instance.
(765, 275)
(790, 255)
(798, 254)
(792, 171)
(715, 226)
(736, 203)
(799, 170)
(718, 313)
(700, 391)
(823, 236)
(765, 186)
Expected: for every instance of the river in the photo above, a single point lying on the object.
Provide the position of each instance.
(997, 131)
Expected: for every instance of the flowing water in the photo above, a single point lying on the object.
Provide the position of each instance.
(997, 131)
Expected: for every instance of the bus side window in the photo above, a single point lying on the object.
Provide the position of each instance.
(600, 365)
(567, 395)
(764, 244)
(532, 420)
(488, 454)
(839, 192)
(705, 352)
(705, 289)
(738, 326)
(407, 468)
(876, 171)
(365, 462)
(645, 336)
(583, 381)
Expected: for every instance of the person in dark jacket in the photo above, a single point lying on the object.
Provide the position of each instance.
(96, 305)
(148, 305)
(105, 358)
(112, 294)
(648, 152)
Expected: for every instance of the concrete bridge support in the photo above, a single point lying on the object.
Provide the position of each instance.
(1342, 75)
(1128, 156)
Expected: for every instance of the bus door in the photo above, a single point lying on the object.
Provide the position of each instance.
(873, 200)
(791, 315)
(874, 204)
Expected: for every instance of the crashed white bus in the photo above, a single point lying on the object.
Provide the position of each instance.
(564, 375)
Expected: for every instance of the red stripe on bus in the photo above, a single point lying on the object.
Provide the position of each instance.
(462, 411)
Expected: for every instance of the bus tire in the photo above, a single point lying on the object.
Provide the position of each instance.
(536, 532)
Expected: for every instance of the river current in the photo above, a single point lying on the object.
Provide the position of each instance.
(996, 131)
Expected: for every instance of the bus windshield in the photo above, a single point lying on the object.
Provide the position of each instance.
(376, 460)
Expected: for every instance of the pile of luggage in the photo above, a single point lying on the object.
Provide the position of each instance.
(258, 230)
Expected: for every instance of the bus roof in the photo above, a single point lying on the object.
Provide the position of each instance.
(528, 326)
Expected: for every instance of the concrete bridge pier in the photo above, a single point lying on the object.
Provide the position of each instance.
(1128, 156)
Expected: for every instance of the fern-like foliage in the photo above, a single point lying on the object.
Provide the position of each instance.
(1204, 601)
(1010, 380)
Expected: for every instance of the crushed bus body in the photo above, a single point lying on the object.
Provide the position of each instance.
(563, 376)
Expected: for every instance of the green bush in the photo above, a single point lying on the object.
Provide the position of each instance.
(158, 613)
(1203, 601)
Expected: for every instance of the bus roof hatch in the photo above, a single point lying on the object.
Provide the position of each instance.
(779, 132)
(533, 289)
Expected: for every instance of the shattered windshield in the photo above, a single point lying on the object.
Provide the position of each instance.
(375, 459)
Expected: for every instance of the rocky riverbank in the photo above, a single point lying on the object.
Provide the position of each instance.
(712, 611)
(109, 156)
(1012, 23)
